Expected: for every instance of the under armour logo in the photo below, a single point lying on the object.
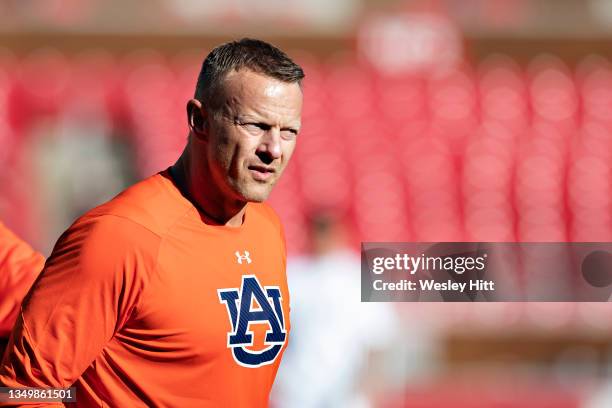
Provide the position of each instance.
(246, 257)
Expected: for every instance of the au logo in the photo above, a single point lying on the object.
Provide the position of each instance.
(242, 314)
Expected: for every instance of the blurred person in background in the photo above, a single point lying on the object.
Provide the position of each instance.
(338, 343)
(174, 292)
(19, 267)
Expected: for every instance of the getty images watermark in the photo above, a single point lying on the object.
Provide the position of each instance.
(486, 272)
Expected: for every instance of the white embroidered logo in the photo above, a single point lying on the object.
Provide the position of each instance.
(246, 257)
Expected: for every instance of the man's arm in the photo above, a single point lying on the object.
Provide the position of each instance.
(86, 292)
(19, 267)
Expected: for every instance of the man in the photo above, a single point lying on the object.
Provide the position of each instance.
(358, 339)
(174, 293)
(19, 266)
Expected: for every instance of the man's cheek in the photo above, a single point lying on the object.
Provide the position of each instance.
(288, 152)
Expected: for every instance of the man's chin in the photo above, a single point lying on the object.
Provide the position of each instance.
(257, 198)
(255, 195)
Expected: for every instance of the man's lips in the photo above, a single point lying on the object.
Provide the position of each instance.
(262, 173)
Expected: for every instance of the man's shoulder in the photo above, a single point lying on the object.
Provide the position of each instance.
(14, 250)
(264, 214)
(96, 243)
(149, 204)
(266, 223)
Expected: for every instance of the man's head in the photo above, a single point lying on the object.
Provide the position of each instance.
(244, 118)
(327, 232)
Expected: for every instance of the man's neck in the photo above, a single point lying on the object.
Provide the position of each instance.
(202, 193)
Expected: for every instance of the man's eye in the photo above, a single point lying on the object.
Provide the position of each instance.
(289, 133)
(255, 127)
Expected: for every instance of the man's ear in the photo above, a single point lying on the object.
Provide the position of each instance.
(197, 118)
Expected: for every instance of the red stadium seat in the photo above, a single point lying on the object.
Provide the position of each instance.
(498, 154)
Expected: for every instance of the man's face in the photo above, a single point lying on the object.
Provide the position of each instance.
(252, 135)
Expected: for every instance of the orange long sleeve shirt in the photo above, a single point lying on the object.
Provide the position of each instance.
(19, 266)
(143, 304)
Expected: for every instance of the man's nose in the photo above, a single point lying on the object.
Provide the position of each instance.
(269, 148)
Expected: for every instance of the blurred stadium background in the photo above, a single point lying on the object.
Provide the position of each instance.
(446, 120)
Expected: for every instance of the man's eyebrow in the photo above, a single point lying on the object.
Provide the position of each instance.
(245, 117)
(293, 126)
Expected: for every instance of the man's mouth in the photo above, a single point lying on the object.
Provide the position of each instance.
(262, 173)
